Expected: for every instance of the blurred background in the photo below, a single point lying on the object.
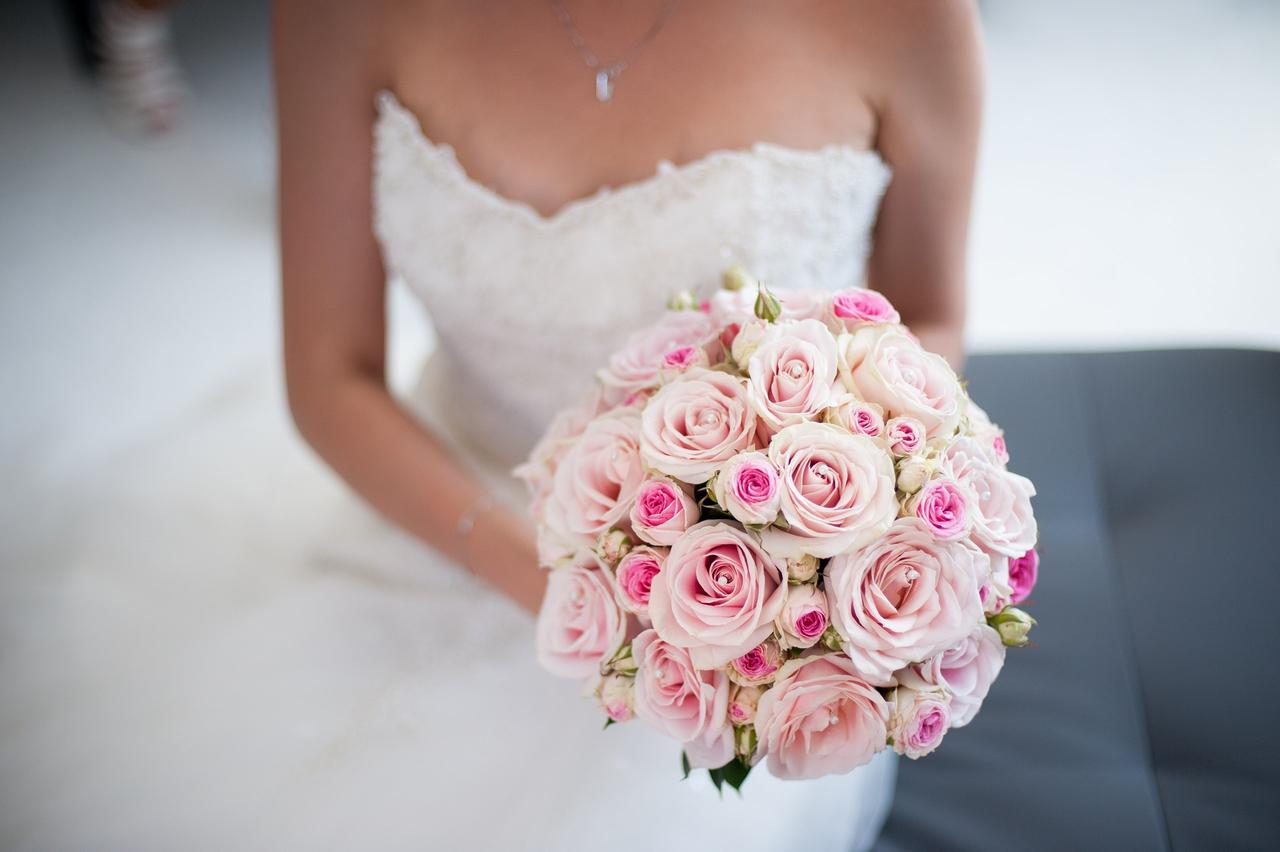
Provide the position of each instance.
(1128, 198)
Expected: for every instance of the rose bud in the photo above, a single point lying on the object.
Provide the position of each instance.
(803, 619)
(1013, 625)
(684, 300)
(831, 639)
(680, 359)
(613, 545)
(633, 578)
(663, 511)
(736, 278)
(747, 488)
(742, 703)
(758, 666)
(945, 507)
(1022, 575)
(861, 418)
(906, 436)
(744, 742)
(802, 569)
(918, 720)
(767, 306)
(913, 473)
(622, 662)
(617, 697)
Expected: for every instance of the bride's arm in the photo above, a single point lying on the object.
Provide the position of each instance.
(929, 108)
(333, 293)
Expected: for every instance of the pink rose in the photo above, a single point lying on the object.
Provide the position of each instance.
(965, 670)
(638, 364)
(893, 371)
(861, 418)
(1000, 449)
(943, 505)
(803, 303)
(538, 472)
(747, 488)
(1002, 516)
(579, 624)
(792, 374)
(906, 436)
(856, 307)
(837, 491)
(904, 598)
(803, 618)
(663, 511)
(598, 478)
(1022, 575)
(918, 719)
(633, 578)
(758, 666)
(718, 593)
(820, 718)
(742, 703)
(695, 424)
(680, 359)
(689, 705)
(617, 697)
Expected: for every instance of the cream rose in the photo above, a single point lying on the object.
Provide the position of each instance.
(837, 491)
(695, 424)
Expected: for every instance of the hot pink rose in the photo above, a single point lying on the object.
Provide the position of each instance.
(678, 699)
(680, 359)
(747, 488)
(820, 718)
(718, 593)
(597, 480)
(695, 424)
(804, 617)
(893, 371)
(579, 624)
(904, 598)
(918, 719)
(758, 666)
(943, 504)
(792, 373)
(857, 307)
(906, 436)
(838, 491)
(1022, 575)
(663, 511)
(633, 578)
(965, 670)
(638, 364)
(1002, 516)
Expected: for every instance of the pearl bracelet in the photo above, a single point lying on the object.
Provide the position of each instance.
(467, 522)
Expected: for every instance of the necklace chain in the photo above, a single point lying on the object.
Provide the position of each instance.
(607, 74)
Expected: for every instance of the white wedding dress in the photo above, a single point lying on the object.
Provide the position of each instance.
(233, 653)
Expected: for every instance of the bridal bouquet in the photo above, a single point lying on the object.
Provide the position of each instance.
(778, 529)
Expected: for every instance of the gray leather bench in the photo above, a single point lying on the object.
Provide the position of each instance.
(1148, 715)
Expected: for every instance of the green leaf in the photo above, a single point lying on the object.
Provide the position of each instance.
(684, 764)
(607, 723)
(717, 778)
(735, 772)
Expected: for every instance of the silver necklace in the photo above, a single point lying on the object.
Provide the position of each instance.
(607, 74)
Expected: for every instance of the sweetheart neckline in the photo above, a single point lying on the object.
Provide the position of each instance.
(389, 106)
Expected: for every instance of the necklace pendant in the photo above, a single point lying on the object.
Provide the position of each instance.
(604, 86)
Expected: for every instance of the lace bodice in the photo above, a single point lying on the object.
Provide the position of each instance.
(526, 306)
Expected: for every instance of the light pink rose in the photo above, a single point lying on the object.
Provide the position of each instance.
(663, 510)
(857, 307)
(987, 435)
(742, 703)
(597, 480)
(803, 303)
(695, 424)
(944, 507)
(718, 593)
(903, 598)
(1022, 575)
(633, 578)
(1002, 516)
(538, 471)
(579, 624)
(918, 719)
(906, 436)
(758, 666)
(820, 718)
(895, 372)
(837, 491)
(965, 670)
(638, 364)
(861, 418)
(678, 699)
(804, 617)
(747, 488)
(792, 373)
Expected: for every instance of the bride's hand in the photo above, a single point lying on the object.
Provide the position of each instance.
(499, 546)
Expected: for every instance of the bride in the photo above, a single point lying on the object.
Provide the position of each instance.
(266, 665)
